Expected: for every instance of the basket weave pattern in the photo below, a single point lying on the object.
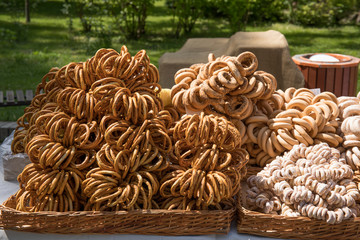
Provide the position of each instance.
(277, 226)
(149, 222)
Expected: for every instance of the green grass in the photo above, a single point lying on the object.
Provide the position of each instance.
(46, 42)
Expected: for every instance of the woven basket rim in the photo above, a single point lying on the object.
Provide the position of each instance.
(147, 222)
(139, 211)
(251, 213)
(285, 227)
(4, 207)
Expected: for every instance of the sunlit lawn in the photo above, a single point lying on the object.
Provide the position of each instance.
(47, 43)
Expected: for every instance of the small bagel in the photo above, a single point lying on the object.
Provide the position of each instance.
(352, 110)
(249, 62)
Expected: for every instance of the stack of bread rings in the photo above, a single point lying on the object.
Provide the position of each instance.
(290, 118)
(309, 181)
(96, 134)
(350, 130)
(102, 135)
(207, 164)
(269, 121)
(349, 106)
(226, 86)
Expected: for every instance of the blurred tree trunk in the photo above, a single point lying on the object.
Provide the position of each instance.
(27, 10)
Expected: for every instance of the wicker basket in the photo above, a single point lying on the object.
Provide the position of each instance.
(152, 222)
(276, 226)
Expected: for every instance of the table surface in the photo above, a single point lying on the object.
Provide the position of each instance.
(8, 188)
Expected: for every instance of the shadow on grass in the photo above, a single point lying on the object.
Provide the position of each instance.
(49, 9)
(35, 28)
(351, 45)
(34, 36)
(160, 11)
(308, 36)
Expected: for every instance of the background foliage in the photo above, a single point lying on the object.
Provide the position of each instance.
(322, 13)
(57, 34)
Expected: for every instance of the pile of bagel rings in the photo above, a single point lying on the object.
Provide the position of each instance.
(350, 130)
(312, 181)
(97, 136)
(103, 135)
(207, 164)
(270, 123)
(290, 118)
(225, 86)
